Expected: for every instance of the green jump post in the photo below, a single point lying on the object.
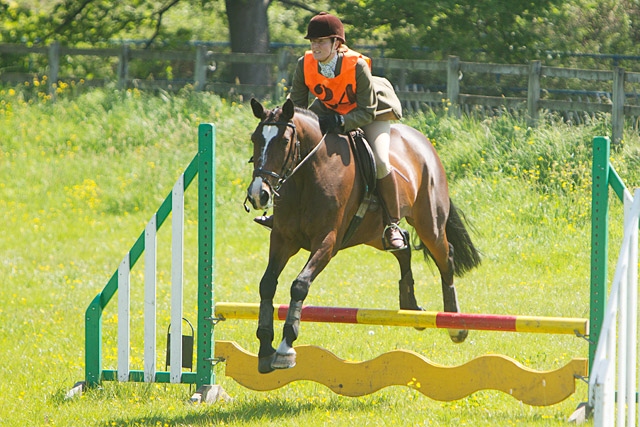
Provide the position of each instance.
(206, 246)
(599, 241)
(604, 176)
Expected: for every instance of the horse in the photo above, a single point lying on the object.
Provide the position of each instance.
(312, 182)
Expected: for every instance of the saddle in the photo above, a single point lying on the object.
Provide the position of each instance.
(366, 164)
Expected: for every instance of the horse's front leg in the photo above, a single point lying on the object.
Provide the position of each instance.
(265, 333)
(285, 356)
(277, 260)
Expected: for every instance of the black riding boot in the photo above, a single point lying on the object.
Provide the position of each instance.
(393, 238)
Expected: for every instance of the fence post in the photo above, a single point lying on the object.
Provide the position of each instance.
(282, 75)
(123, 67)
(617, 109)
(533, 93)
(453, 85)
(200, 73)
(54, 66)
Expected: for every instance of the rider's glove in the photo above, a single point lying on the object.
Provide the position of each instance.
(331, 123)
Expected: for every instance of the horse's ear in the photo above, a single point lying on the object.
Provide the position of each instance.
(258, 109)
(288, 110)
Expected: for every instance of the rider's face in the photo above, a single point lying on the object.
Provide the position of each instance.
(324, 49)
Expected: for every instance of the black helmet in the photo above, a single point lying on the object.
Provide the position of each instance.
(325, 25)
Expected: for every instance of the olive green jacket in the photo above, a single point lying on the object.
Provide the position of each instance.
(375, 96)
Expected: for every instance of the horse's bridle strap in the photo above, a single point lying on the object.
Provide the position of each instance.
(292, 158)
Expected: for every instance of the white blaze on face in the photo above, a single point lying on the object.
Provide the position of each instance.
(268, 133)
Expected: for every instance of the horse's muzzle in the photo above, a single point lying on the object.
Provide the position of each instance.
(259, 194)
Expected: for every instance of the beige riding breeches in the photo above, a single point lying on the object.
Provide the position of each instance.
(379, 137)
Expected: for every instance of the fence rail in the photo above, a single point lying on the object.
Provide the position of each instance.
(611, 97)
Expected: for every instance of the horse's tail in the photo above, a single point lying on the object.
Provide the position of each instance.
(465, 254)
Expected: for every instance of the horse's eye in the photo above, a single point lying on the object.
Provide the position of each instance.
(250, 160)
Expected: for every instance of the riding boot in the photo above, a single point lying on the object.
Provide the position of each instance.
(266, 221)
(393, 238)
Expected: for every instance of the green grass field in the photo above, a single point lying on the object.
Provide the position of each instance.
(80, 178)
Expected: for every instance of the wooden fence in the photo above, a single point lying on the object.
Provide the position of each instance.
(611, 83)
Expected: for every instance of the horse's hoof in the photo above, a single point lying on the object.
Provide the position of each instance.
(419, 309)
(458, 335)
(264, 364)
(283, 361)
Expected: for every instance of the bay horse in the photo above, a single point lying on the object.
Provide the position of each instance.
(312, 182)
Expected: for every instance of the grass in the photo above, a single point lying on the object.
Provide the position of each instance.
(81, 177)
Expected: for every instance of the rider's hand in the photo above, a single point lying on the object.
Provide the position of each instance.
(331, 123)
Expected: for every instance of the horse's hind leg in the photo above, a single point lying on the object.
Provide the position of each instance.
(442, 253)
(450, 297)
(405, 285)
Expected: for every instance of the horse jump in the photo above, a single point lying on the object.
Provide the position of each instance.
(347, 376)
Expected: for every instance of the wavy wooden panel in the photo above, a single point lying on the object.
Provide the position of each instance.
(407, 368)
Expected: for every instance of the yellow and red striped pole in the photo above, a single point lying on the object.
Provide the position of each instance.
(413, 318)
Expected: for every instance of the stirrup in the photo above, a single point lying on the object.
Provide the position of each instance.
(386, 245)
(265, 221)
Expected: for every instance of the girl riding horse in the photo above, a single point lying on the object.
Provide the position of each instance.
(348, 97)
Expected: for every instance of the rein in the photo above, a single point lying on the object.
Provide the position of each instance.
(311, 153)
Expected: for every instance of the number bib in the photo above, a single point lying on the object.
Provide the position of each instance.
(338, 93)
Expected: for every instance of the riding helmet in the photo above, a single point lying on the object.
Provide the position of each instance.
(325, 25)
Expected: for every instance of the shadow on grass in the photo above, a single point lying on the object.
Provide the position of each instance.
(254, 409)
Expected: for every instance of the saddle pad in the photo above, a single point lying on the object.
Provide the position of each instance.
(364, 158)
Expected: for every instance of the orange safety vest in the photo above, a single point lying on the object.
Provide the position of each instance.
(338, 93)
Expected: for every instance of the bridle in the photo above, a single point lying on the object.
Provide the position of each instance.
(292, 163)
(293, 158)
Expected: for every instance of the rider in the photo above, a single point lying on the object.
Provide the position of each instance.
(349, 97)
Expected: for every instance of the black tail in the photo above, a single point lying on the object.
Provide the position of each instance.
(465, 254)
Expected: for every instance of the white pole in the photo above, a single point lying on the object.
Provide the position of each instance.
(177, 244)
(150, 248)
(621, 387)
(124, 286)
(632, 297)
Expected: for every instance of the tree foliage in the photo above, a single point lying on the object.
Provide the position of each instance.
(96, 22)
(492, 30)
(498, 30)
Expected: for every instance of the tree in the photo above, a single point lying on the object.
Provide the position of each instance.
(249, 33)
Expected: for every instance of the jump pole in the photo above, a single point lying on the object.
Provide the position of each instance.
(412, 318)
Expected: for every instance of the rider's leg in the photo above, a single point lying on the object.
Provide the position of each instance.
(379, 137)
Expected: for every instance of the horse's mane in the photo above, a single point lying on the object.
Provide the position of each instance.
(306, 112)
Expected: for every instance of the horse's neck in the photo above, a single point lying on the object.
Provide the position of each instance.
(309, 142)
